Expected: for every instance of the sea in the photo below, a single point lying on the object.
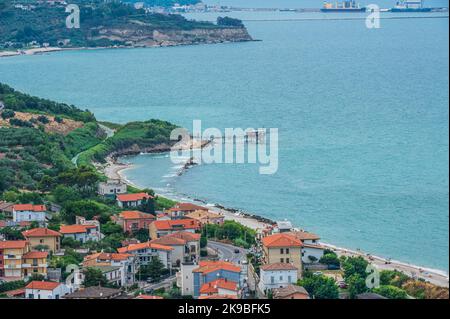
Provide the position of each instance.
(362, 116)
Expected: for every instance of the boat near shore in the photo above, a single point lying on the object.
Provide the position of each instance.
(410, 6)
(345, 6)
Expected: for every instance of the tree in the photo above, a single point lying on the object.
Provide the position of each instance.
(393, 278)
(391, 292)
(203, 242)
(153, 270)
(11, 233)
(356, 285)
(148, 206)
(142, 235)
(229, 22)
(355, 265)
(94, 277)
(70, 243)
(320, 286)
(330, 259)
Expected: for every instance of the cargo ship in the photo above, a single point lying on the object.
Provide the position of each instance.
(345, 6)
(410, 6)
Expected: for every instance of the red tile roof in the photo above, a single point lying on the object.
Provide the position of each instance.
(107, 256)
(218, 297)
(176, 224)
(133, 197)
(13, 244)
(40, 232)
(213, 286)
(145, 245)
(281, 240)
(303, 235)
(29, 207)
(35, 254)
(278, 266)
(169, 241)
(134, 214)
(75, 229)
(42, 285)
(185, 235)
(208, 266)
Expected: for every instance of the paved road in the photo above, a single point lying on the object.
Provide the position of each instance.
(166, 283)
(226, 251)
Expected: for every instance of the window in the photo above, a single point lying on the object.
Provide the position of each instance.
(281, 260)
(281, 278)
(272, 279)
(287, 250)
(41, 241)
(289, 279)
(281, 251)
(287, 260)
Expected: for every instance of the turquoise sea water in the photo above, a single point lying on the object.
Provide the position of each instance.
(362, 115)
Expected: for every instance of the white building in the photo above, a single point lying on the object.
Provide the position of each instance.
(145, 252)
(185, 278)
(81, 233)
(112, 187)
(277, 275)
(29, 213)
(46, 290)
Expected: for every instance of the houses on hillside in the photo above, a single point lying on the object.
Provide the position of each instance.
(18, 261)
(145, 252)
(161, 228)
(132, 221)
(206, 217)
(132, 200)
(180, 210)
(46, 290)
(81, 233)
(186, 246)
(283, 248)
(112, 188)
(29, 213)
(43, 238)
(277, 275)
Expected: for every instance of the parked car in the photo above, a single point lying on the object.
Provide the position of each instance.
(318, 273)
(237, 251)
(342, 284)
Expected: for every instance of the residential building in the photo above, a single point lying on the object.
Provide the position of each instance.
(39, 237)
(206, 217)
(126, 262)
(112, 188)
(283, 227)
(182, 209)
(160, 228)
(81, 233)
(148, 297)
(186, 246)
(145, 252)
(46, 290)
(132, 200)
(113, 274)
(185, 278)
(283, 248)
(34, 262)
(277, 275)
(209, 271)
(222, 287)
(11, 256)
(95, 292)
(290, 292)
(312, 251)
(29, 213)
(134, 220)
(6, 208)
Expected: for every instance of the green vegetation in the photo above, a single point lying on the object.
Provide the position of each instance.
(391, 292)
(46, 24)
(94, 277)
(319, 286)
(231, 231)
(154, 270)
(229, 22)
(330, 258)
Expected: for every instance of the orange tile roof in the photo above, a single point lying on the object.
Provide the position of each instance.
(186, 207)
(74, 229)
(218, 297)
(107, 256)
(169, 241)
(134, 214)
(133, 197)
(29, 207)
(145, 245)
(208, 266)
(35, 254)
(278, 266)
(40, 232)
(213, 286)
(185, 235)
(148, 297)
(176, 224)
(13, 244)
(303, 235)
(43, 285)
(281, 240)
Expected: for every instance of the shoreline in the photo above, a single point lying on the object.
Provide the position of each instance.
(115, 170)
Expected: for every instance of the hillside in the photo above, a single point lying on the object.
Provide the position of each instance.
(104, 24)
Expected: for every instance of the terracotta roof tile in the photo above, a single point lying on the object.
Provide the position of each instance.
(278, 266)
(75, 229)
(35, 254)
(42, 285)
(213, 286)
(145, 245)
(13, 244)
(176, 224)
(134, 214)
(133, 197)
(29, 207)
(186, 207)
(208, 266)
(281, 240)
(40, 232)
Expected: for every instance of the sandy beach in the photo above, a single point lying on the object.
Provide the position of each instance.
(115, 170)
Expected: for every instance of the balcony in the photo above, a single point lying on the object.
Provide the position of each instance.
(13, 266)
(12, 257)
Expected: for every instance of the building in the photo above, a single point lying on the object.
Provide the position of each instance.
(206, 217)
(221, 287)
(186, 246)
(134, 220)
(209, 271)
(11, 256)
(34, 263)
(46, 290)
(148, 297)
(145, 252)
(6, 208)
(312, 251)
(290, 292)
(283, 226)
(161, 228)
(276, 275)
(29, 213)
(182, 209)
(112, 188)
(126, 262)
(81, 233)
(95, 292)
(113, 274)
(43, 237)
(283, 248)
(131, 200)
